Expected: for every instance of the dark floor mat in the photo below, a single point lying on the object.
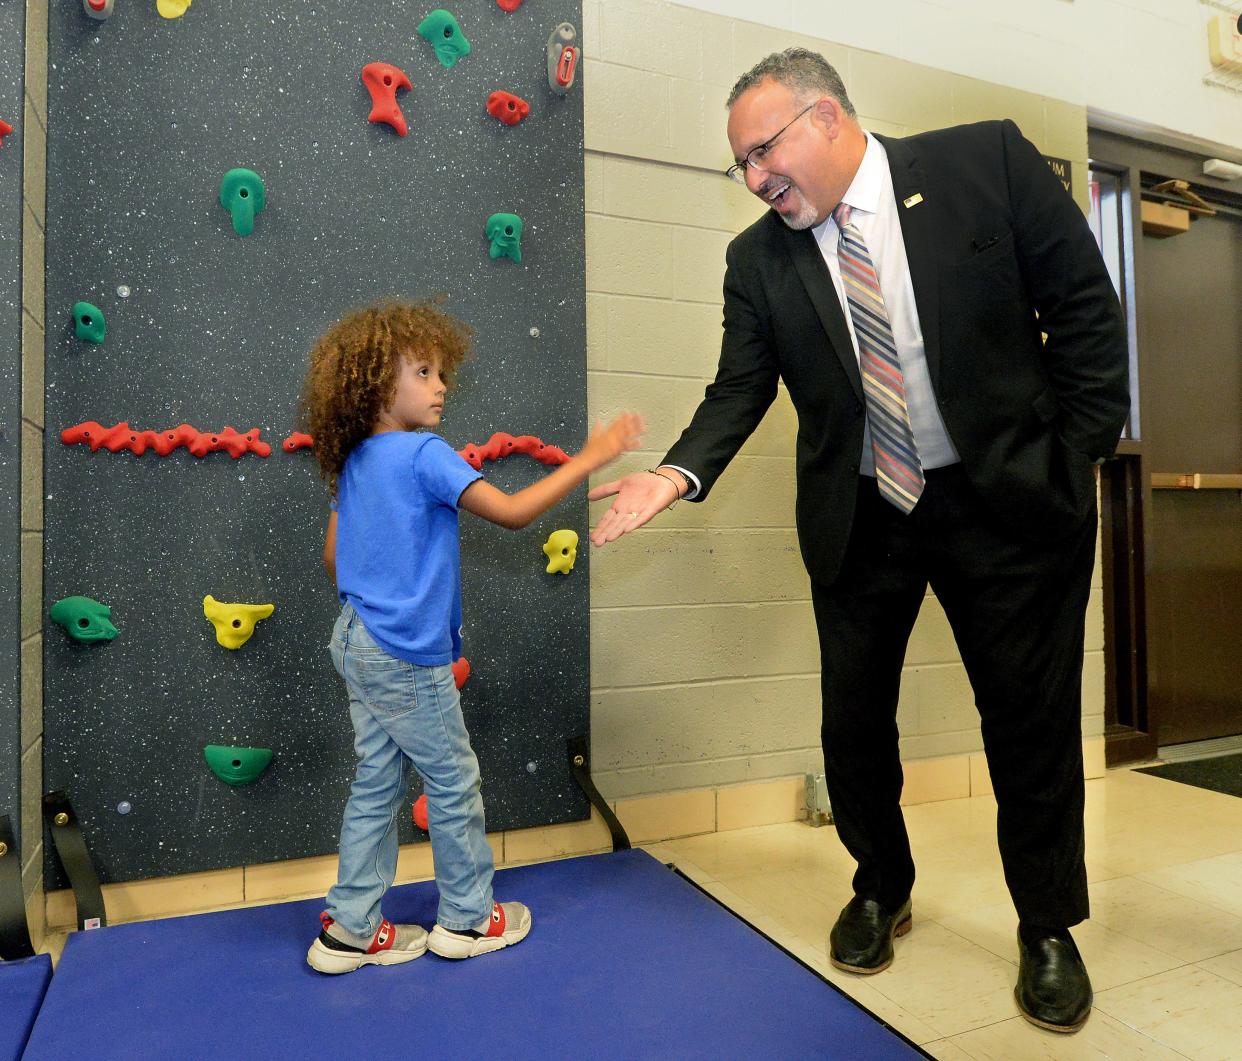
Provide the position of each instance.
(1221, 774)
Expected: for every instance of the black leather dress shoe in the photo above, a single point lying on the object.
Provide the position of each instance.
(862, 938)
(1053, 991)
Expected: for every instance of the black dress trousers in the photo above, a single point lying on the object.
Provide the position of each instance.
(1016, 606)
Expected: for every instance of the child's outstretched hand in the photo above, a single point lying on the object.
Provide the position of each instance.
(606, 444)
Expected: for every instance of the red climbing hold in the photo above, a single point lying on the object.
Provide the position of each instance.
(298, 440)
(110, 438)
(122, 436)
(461, 671)
(5, 129)
(503, 445)
(419, 812)
(232, 441)
(382, 81)
(509, 5)
(506, 107)
(167, 441)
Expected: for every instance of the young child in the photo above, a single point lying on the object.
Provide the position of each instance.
(373, 395)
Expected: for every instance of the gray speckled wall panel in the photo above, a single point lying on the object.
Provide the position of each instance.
(12, 90)
(145, 117)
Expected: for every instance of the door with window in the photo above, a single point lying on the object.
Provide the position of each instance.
(1187, 311)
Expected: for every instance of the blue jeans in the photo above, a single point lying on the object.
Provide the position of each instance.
(404, 713)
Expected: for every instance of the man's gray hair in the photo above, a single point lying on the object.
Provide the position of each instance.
(805, 73)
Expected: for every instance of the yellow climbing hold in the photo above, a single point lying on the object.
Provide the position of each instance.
(172, 8)
(561, 549)
(234, 623)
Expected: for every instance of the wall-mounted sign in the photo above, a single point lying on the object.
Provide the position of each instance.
(1061, 167)
(1225, 43)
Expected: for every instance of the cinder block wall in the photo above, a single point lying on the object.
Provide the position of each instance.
(704, 656)
(1139, 65)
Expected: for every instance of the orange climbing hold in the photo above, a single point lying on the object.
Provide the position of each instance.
(506, 107)
(298, 440)
(419, 812)
(505, 445)
(461, 671)
(5, 129)
(200, 443)
(382, 81)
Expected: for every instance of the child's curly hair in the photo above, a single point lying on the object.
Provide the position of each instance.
(354, 367)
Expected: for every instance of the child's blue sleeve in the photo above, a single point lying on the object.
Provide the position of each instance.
(442, 472)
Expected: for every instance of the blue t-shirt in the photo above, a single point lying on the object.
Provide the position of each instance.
(398, 558)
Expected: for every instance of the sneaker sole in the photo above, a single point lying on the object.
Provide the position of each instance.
(871, 970)
(324, 960)
(457, 947)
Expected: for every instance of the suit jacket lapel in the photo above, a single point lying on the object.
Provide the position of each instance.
(920, 241)
(815, 277)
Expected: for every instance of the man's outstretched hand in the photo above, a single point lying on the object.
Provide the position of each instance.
(639, 496)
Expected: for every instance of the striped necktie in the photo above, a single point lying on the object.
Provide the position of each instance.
(898, 471)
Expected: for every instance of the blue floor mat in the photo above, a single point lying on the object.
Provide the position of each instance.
(625, 960)
(22, 986)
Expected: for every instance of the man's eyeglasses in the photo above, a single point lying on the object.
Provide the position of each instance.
(755, 157)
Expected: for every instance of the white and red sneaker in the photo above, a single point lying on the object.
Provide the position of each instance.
(338, 951)
(508, 924)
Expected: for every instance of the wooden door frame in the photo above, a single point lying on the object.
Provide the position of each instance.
(1130, 728)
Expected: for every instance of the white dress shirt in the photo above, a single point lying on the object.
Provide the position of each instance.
(874, 214)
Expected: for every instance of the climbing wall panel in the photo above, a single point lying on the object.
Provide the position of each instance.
(12, 87)
(207, 327)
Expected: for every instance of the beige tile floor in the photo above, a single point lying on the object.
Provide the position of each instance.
(1164, 945)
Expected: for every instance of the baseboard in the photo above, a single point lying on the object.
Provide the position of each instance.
(647, 819)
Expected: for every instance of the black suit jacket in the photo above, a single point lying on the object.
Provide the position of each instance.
(998, 252)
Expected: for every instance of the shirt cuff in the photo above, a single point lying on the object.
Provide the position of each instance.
(691, 478)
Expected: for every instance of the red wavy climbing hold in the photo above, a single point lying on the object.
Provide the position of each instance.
(419, 812)
(298, 440)
(122, 436)
(504, 445)
(507, 108)
(5, 129)
(509, 5)
(382, 81)
(167, 441)
(200, 443)
(461, 671)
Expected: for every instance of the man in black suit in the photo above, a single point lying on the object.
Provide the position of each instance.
(899, 288)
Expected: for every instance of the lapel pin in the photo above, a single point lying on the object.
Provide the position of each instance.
(914, 200)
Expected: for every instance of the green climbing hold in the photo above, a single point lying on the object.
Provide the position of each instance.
(242, 194)
(89, 323)
(84, 619)
(237, 766)
(505, 232)
(440, 28)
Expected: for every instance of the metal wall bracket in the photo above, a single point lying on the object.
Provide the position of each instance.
(580, 765)
(818, 806)
(14, 928)
(70, 847)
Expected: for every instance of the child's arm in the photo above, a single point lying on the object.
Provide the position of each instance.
(515, 511)
(329, 549)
